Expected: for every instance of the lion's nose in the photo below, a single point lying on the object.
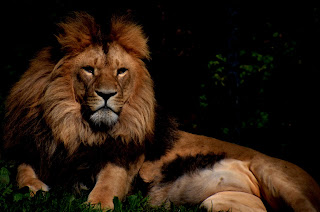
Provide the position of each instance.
(106, 94)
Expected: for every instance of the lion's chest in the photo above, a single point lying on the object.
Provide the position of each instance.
(85, 163)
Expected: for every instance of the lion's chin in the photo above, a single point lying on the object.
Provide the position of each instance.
(104, 117)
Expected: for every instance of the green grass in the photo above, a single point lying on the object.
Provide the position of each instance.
(14, 199)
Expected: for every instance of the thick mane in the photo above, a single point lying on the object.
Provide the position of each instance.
(78, 32)
(136, 121)
(130, 36)
(42, 105)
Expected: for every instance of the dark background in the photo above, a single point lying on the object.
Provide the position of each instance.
(272, 107)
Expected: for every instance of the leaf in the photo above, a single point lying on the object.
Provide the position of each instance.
(267, 59)
(203, 97)
(248, 68)
(17, 197)
(242, 52)
(203, 104)
(4, 176)
(117, 204)
(276, 34)
(7, 190)
(225, 131)
(219, 56)
(133, 201)
(254, 54)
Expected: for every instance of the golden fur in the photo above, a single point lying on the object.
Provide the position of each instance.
(30, 179)
(244, 172)
(92, 99)
(87, 90)
(51, 88)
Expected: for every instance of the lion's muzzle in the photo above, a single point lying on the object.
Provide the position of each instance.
(104, 112)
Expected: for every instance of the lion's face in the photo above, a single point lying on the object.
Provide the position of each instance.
(90, 86)
(103, 82)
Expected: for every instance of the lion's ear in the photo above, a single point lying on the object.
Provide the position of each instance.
(130, 36)
(78, 32)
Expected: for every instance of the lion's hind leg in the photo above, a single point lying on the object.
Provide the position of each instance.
(233, 201)
(26, 176)
(284, 185)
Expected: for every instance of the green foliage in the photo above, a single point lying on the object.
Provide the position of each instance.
(218, 70)
(241, 80)
(253, 66)
(259, 119)
(203, 101)
(259, 63)
(133, 203)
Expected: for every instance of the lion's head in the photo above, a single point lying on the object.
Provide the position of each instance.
(98, 87)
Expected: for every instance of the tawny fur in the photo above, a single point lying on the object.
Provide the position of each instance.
(91, 98)
(47, 88)
(46, 107)
(280, 183)
(27, 177)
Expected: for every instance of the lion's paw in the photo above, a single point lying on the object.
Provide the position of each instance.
(37, 185)
(99, 205)
(100, 201)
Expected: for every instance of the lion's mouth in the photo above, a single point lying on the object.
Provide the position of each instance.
(104, 115)
(106, 108)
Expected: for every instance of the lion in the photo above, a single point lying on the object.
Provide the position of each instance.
(221, 176)
(85, 112)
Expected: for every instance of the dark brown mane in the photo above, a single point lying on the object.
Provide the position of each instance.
(77, 32)
(43, 100)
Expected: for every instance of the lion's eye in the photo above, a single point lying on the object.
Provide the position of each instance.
(121, 71)
(88, 69)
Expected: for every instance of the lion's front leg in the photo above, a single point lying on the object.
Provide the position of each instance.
(26, 176)
(112, 181)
